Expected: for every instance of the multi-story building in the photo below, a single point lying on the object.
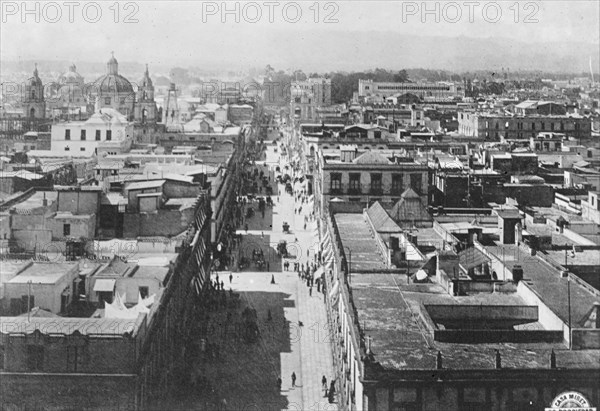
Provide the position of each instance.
(309, 95)
(101, 361)
(446, 346)
(366, 177)
(425, 91)
(105, 131)
(491, 126)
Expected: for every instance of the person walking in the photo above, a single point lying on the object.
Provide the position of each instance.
(331, 393)
(279, 383)
(324, 382)
(293, 379)
(230, 278)
(310, 291)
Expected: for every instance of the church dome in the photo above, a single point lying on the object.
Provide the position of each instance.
(113, 82)
(71, 76)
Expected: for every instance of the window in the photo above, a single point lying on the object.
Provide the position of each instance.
(562, 126)
(397, 183)
(143, 291)
(35, 357)
(354, 186)
(81, 148)
(415, 183)
(66, 229)
(336, 183)
(552, 126)
(533, 126)
(83, 136)
(67, 134)
(67, 148)
(376, 187)
(542, 126)
(106, 100)
(75, 358)
(97, 135)
(108, 135)
(1, 357)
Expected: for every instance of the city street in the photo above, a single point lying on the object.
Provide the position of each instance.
(292, 323)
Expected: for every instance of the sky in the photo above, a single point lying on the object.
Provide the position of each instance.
(256, 33)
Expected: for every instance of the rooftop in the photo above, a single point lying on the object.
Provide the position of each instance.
(43, 273)
(389, 311)
(356, 235)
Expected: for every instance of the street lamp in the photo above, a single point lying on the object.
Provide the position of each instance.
(349, 263)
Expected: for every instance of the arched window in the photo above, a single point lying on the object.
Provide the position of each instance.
(32, 112)
(33, 94)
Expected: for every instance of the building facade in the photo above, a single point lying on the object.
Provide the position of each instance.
(489, 126)
(425, 91)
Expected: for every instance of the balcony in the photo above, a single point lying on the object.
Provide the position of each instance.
(353, 190)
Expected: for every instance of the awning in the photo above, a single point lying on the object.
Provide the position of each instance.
(319, 272)
(104, 284)
(334, 291)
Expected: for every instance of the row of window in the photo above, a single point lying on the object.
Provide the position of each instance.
(83, 135)
(376, 182)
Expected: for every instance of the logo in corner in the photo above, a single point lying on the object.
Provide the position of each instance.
(570, 401)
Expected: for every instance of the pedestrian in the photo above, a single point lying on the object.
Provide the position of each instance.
(222, 285)
(324, 382)
(230, 278)
(279, 383)
(310, 291)
(331, 392)
(246, 228)
(293, 379)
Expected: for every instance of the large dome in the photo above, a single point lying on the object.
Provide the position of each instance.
(113, 83)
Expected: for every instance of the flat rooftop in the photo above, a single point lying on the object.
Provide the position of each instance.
(547, 282)
(389, 311)
(43, 273)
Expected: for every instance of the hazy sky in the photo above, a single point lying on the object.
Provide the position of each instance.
(186, 32)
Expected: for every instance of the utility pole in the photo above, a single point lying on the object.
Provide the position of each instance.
(28, 300)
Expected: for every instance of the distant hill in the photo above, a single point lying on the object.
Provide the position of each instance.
(324, 51)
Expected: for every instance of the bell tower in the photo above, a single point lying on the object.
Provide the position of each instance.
(145, 108)
(34, 105)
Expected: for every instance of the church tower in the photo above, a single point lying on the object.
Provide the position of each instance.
(145, 108)
(34, 105)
